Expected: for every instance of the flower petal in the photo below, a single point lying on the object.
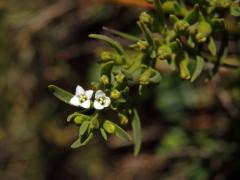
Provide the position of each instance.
(99, 94)
(89, 94)
(85, 104)
(107, 101)
(75, 101)
(79, 90)
(97, 105)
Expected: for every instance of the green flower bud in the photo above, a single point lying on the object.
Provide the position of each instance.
(169, 7)
(94, 123)
(164, 52)
(192, 29)
(119, 78)
(122, 118)
(145, 77)
(80, 118)
(109, 127)
(204, 29)
(225, 3)
(200, 37)
(142, 45)
(145, 18)
(183, 62)
(107, 56)
(115, 94)
(104, 79)
(181, 26)
(110, 56)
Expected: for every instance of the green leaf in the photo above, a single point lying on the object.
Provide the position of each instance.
(104, 134)
(76, 143)
(198, 68)
(81, 142)
(110, 41)
(137, 135)
(121, 133)
(122, 34)
(83, 127)
(89, 137)
(71, 116)
(160, 15)
(61, 94)
(212, 46)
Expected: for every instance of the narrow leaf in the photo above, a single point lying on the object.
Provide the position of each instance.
(83, 127)
(89, 137)
(76, 143)
(122, 34)
(212, 46)
(104, 134)
(160, 15)
(198, 68)
(110, 41)
(137, 135)
(61, 94)
(121, 133)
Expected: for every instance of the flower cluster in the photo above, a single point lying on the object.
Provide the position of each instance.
(185, 41)
(82, 98)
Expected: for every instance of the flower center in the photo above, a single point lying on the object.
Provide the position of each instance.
(101, 100)
(82, 98)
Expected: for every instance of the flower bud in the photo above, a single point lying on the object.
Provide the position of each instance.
(123, 118)
(110, 56)
(119, 78)
(164, 52)
(170, 7)
(115, 94)
(145, 18)
(184, 71)
(107, 56)
(183, 61)
(142, 45)
(104, 79)
(80, 118)
(94, 123)
(109, 127)
(204, 29)
(145, 77)
(181, 26)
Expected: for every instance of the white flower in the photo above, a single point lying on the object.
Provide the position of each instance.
(101, 100)
(82, 97)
